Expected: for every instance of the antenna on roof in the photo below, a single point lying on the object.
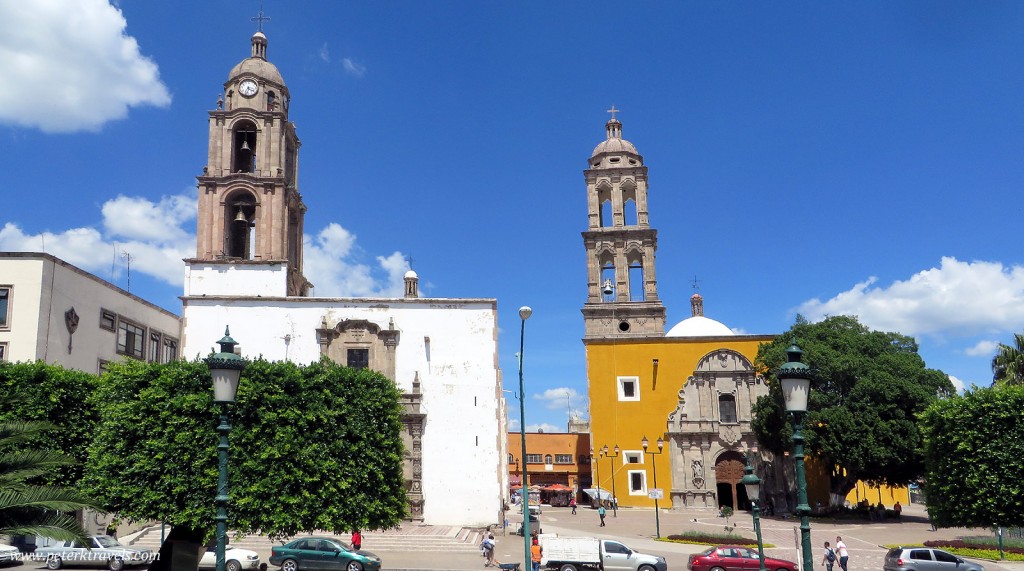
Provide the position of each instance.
(128, 260)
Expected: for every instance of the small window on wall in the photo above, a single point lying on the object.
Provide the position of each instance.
(637, 482)
(547, 459)
(563, 458)
(358, 358)
(629, 388)
(170, 350)
(632, 457)
(154, 346)
(101, 366)
(727, 409)
(533, 459)
(108, 320)
(5, 307)
(3, 351)
(130, 339)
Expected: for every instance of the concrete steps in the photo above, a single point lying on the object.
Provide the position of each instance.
(407, 539)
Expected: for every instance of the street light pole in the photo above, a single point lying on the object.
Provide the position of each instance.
(597, 464)
(225, 369)
(654, 465)
(795, 378)
(753, 485)
(524, 314)
(611, 463)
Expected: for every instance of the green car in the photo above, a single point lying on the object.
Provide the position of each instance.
(322, 553)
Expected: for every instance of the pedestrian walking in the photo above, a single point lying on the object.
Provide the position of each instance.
(844, 555)
(601, 512)
(536, 551)
(830, 557)
(487, 547)
(572, 504)
(357, 540)
(898, 510)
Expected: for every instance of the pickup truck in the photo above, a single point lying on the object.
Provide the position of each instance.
(589, 553)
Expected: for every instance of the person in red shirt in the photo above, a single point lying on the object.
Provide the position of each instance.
(535, 554)
(357, 540)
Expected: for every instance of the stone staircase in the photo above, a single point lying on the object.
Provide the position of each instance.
(409, 538)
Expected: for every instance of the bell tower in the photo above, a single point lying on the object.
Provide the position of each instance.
(250, 210)
(622, 291)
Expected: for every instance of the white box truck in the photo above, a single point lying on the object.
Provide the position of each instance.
(589, 553)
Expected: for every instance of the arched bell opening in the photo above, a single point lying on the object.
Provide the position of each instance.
(240, 226)
(243, 148)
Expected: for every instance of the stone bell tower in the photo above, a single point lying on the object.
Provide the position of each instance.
(622, 291)
(250, 210)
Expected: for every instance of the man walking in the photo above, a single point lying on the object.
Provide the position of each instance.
(844, 555)
(601, 512)
(572, 504)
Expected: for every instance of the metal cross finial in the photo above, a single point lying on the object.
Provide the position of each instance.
(696, 284)
(260, 18)
(409, 260)
(613, 111)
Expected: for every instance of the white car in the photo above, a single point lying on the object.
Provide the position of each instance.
(9, 554)
(234, 559)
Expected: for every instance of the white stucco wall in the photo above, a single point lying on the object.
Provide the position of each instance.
(221, 278)
(450, 343)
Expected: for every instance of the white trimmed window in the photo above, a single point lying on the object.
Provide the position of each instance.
(637, 482)
(5, 307)
(632, 457)
(629, 388)
(3, 351)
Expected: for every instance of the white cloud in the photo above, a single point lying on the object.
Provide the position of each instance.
(957, 384)
(325, 55)
(982, 349)
(69, 66)
(543, 427)
(352, 68)
(137, 218)
(957, 298)
(513, 424)
(563, 398)
(330, 262)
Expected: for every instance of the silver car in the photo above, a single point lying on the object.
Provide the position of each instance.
(100, 551)
(926, 559)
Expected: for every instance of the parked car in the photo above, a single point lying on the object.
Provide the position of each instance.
(593, 554)
(734, 558)
(234, 559)
(925, 559)
(9, 554)
(101, 551)
(322, 553)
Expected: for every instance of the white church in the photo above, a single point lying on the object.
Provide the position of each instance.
(247, 274)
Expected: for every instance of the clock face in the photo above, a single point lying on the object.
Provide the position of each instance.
(247, 88)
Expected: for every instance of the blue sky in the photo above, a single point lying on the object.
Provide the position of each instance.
(811, 157)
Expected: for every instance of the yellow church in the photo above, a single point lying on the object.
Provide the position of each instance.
(689, 391)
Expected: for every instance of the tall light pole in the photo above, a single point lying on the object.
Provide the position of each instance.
(753, 485)
(795, 378)
(225, 368)
(611, 463)
(654, 465)
(524, 314)
(597, 464)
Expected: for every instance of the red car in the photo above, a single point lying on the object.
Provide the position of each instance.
(734, 558)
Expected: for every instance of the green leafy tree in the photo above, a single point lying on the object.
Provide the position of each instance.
(1008, 363)
(973, 447)
(50, 393)
(27, 508)
(864, 403)
(312, 448)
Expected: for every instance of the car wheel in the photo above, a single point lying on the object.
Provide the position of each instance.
(115, 564)
(289, 565)
(567, 567)
(717, 569)
(53, 562)
(354, 566)
(646, 568)
(233, 565)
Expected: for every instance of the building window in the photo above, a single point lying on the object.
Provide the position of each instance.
(154, 346)
(101, 366)
(170, 350)
(727, 409)
(632, 457)
(3, 351)
(533, 459)
(629, 388)
(108, 320)
(5, 307)
(130, 339)
(547, 458)
(637, 482)
(358, 358)
(563, 458)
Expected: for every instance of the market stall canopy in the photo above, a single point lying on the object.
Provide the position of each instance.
(515, 480)
(598, 493)
(557, 488)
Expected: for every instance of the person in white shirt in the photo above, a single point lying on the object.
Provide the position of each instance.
(844, 555)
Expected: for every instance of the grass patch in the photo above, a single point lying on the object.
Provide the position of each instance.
(711, 538)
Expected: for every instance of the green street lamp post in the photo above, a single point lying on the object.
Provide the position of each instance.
(611, 463)
(752, 483)
(795, 378)
(225, 369)
(524, 314)
(654, 465)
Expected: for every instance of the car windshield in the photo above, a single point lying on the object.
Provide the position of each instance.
(107, 541)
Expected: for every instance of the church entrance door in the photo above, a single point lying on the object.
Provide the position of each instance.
(728, 473)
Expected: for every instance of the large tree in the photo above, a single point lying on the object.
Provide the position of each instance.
(37, 391)
(1008, 363)
(973, 449)
(868, 391)
(312, 448)
(28, 508)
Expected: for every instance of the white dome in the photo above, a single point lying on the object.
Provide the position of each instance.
(699, 326)
(410, 274)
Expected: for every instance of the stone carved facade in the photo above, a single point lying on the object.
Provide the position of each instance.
(709, 431)
(413, 423)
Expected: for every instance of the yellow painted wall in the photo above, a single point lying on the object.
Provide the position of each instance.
(625, 423)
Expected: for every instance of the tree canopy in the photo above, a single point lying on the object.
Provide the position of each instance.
(1008, 362)
(868, 391)
(973, 445)
(312, 448)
